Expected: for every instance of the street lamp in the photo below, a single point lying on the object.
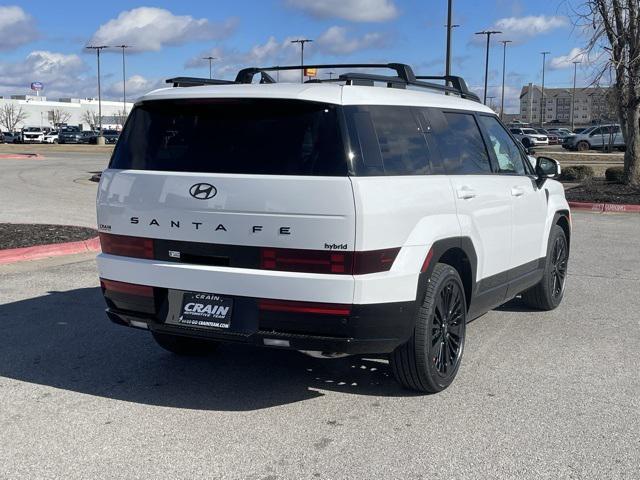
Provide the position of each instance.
(573, 94)
(211, 59)
(488, 33)
(450, 26)
(542, 106)
(98, 48)
(124, 81)
(302, 41)
(504, 64)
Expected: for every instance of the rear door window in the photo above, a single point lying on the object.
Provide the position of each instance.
(237, 136)
(460, 144)
(390, 139)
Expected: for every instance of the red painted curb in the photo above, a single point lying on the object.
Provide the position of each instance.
(605, 207)
(22, 156)
(12, 255)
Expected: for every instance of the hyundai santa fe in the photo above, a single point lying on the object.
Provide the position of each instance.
(369, 214)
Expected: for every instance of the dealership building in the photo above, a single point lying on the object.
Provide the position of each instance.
(41, 112)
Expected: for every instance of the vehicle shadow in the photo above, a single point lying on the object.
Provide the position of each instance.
(64, 340)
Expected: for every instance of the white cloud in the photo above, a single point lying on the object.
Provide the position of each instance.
(566, 61)
(137, 85)
(335, 41)
(16, 27)
(58, 71)
(353, 10)
(149, 29)
(271, 52)
(520, 29)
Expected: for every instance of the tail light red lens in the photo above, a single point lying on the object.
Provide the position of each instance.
(320, 261)
(128, 288)
(125, 246)
(304, 307)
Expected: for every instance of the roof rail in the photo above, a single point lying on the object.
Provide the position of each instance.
(403, 77)
(402, 70)
(457, 83)
(197, 82)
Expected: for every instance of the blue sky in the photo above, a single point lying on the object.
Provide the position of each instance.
(44, 43)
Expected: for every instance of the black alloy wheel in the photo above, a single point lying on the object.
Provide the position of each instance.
(447, 331)
(559, 258)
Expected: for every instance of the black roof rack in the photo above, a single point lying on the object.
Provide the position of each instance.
(403, 77)
(197, 82)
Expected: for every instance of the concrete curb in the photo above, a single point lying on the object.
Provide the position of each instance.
(605, 207)
(12, 255)
(22, 156)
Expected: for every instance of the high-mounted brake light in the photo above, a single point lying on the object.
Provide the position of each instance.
(320, 261)
(126, 246)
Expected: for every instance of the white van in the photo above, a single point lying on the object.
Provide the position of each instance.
(364, 215)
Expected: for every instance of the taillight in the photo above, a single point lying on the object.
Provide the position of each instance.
(126, 246)
(320, 261)
(304, 307)
(128, 288)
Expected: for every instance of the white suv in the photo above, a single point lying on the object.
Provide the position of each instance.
(530, 137)
(333, 218)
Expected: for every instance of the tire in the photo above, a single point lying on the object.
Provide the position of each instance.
(548, 293)
(184, 345)
(430, 359)
(583, 146)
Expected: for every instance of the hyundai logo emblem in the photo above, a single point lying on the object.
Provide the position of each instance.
(203, 191)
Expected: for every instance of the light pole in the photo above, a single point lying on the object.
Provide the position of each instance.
(211, 59)
(331, 74)
(98, 48)
(504, 64)
(488, 33)
(542, 105)
(573, 94)
(302, 41)
(124, 81)
(450, 26)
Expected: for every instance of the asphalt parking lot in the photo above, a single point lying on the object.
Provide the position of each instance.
(539, 395)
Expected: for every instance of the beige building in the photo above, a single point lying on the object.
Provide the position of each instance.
(591, 105)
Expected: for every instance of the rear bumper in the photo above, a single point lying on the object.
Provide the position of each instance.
(368, 329)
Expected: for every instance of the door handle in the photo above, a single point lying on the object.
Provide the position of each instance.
(517, 191)
(466, 193)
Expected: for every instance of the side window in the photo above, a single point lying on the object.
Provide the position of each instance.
(391, 140)
(460, 144)
(507, 152)
(597, 131)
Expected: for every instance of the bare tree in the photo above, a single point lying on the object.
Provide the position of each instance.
(91, 118)
(58, 116)
(120, 117)
(11, 115)
(615, 28)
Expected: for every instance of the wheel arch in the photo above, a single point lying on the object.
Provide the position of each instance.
(458, 252)
(562, 218)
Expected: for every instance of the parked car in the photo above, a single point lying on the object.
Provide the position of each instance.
(11, 137)
(530, 137)
(561, 133)
(87, 135)
(553, 138)
(32, 135)
(69, 135)
(601, 137)
(51, 137)
(110, 137)
(326, 221)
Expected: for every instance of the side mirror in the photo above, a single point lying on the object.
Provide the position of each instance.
(546, 168)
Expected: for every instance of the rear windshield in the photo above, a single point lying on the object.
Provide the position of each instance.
(266, 137)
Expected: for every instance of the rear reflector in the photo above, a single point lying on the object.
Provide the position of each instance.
(304, 307)
(128, 288)
(125, 246)
(321, 261)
